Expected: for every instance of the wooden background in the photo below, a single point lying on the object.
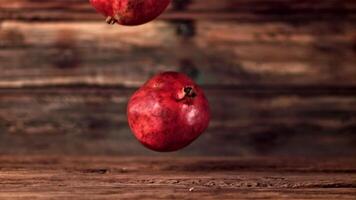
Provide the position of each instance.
(280, 75)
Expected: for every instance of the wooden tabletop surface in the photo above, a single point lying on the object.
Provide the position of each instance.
(39, 177)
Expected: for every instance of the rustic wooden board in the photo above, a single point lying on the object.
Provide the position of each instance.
(243, 10)
(39, 54)
(280, 75)
(175, 178)
(245, 122)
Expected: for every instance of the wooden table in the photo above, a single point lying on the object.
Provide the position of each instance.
(39, 177)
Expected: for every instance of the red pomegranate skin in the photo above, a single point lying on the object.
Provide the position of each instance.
(168, 112)
(130, 12)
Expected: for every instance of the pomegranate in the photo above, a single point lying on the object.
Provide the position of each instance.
(168, 112)
(130, 12)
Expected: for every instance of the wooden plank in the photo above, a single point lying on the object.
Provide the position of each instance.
(243, 10)
(93, 121)
(94, 34)
(171, 178)
(40, 54)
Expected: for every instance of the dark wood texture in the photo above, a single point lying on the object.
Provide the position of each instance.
(220, 53)
(168, 178)
(245, 121)
(254, 10)
(280, 75)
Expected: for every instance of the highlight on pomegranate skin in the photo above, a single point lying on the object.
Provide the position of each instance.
(130, 12)
(168, 112)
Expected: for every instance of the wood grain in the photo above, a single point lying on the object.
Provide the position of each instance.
(280, 75)
(39, 54)
(242, 10)
(175, 178)
(92, 121)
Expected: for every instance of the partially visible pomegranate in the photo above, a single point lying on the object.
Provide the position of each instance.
(168, 112)
(130, 12)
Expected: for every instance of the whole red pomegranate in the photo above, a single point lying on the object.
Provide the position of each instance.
(130, 12)
(168, 112)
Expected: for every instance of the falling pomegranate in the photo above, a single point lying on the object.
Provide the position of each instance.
(130, 12)
(168, 112)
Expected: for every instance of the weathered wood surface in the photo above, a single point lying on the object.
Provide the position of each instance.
(280, 75)
(243, 10)
(38, 54)
(175, 178)
(245, 122)
(315, 51)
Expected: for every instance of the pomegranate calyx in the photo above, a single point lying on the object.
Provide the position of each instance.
(113, 20)
(110, 20)
(189, 92)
